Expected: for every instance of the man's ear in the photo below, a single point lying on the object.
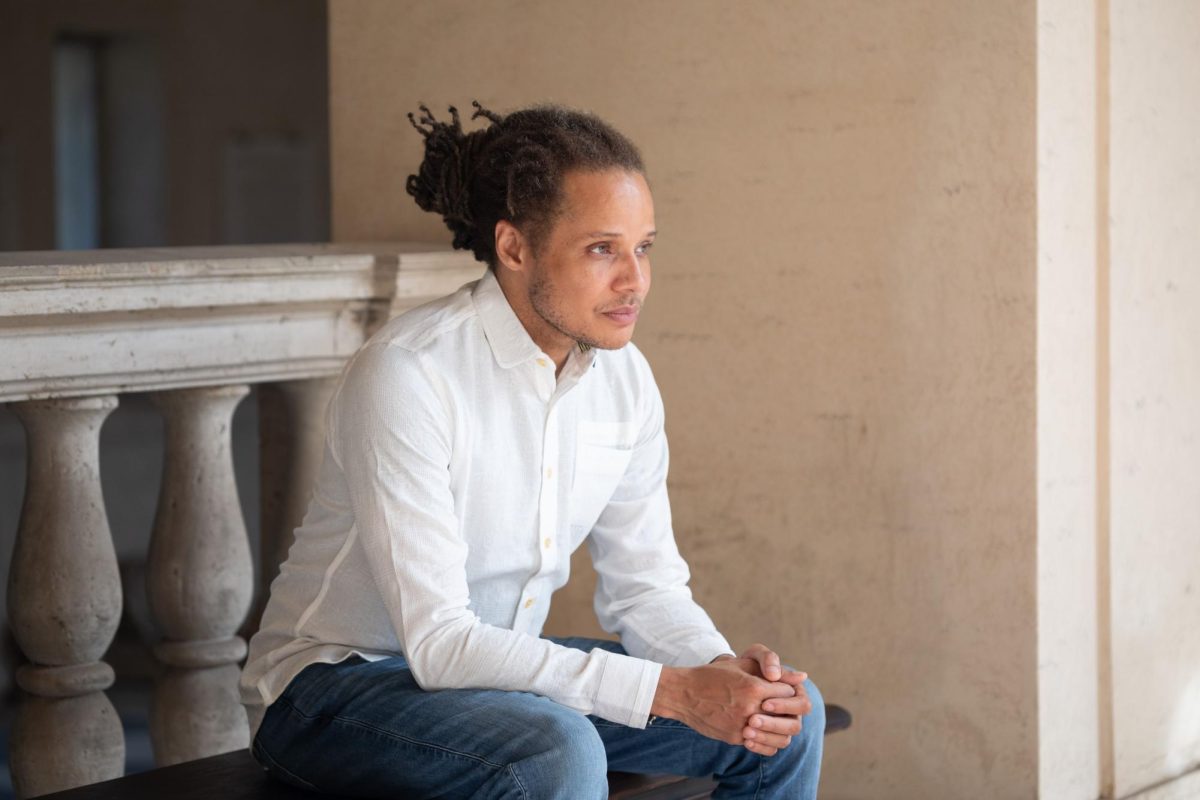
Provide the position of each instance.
(511, 248)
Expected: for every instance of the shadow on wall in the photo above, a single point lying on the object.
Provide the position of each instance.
(127, 124)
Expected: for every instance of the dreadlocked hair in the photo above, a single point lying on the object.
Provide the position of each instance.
(511, 169)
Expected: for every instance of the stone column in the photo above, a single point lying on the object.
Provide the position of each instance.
(199, 580)
(64, 604)
(291, 424)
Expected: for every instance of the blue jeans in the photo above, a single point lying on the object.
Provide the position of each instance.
(366, 729)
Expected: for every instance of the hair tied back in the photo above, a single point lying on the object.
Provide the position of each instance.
(443, 181)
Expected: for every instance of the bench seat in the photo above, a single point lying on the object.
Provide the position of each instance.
(236, 776)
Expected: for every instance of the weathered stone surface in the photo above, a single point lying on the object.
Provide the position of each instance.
(61, 743)
(64, 590)
(197, 713)
(199, 579)
(292, 436)
(64, 602)
(88, 322)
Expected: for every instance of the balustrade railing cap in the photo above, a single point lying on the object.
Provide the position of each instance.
(76, 323)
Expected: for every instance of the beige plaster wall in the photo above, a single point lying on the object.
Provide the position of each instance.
(842, 324)
(1069, 708)
(1155, 375)
(1118, 399)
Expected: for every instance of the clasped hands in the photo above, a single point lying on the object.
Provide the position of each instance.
(749, 700)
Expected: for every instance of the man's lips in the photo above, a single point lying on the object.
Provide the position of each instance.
(623, 315)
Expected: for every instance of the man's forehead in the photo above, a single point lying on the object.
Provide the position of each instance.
(602, 203)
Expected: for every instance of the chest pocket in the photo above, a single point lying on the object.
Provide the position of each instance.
(602, 454)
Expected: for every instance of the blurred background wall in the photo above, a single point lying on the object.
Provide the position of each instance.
(924, 318)
(200, 123)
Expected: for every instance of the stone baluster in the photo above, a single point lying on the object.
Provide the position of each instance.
(291, 425)
(199, 580)
(64, 604)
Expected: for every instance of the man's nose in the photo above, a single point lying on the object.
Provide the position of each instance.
(634, 275)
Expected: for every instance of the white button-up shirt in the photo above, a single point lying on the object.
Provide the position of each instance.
(459, 475)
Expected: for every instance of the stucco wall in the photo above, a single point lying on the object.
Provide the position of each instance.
(842, 324)
(1071, 718)
(1118, 399)
(1155, 374)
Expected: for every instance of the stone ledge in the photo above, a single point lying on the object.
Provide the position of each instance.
(110, 321)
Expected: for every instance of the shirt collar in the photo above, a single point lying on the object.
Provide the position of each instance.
(579, 362)
(508, 338)
(510, 342)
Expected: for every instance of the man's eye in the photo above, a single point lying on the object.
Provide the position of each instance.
(601, 249)
(644, 247)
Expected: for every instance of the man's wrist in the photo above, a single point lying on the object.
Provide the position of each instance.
(670, 682)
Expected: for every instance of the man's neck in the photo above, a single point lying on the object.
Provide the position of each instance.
(551, 341)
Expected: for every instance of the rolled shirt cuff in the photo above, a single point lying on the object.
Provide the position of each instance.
(702, 651)
(627, 688)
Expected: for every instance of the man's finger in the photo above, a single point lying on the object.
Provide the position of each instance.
(768, 661)
(799, 704)
(774, 689)
(775, 740)
(796, 706)
(769, 723)
(759, 748)
(794, 677)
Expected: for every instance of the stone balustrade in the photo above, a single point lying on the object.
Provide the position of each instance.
(194, 326)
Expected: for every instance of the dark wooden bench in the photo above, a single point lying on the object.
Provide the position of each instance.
(236, 776)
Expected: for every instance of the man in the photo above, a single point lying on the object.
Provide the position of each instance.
(472, 444)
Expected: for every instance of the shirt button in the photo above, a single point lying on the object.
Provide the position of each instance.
(546, 542)
(529, 602)
(541, 362)
(549, 473)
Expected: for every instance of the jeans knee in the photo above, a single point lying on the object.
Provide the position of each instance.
(566, 759)
(813, 723)
(578, 743)
(794, 771)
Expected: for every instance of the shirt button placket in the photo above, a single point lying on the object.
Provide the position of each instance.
(549, 515)
(548, 506)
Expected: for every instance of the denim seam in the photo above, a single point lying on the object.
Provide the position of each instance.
(656, 726)
(275, 763)
(517, 780)
(357, 723)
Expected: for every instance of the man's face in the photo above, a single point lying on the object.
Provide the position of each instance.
(591, 272)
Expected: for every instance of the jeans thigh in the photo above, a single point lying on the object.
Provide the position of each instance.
(367, 729)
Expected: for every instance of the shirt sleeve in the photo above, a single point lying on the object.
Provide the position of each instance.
(642, 592)
(391, 433)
